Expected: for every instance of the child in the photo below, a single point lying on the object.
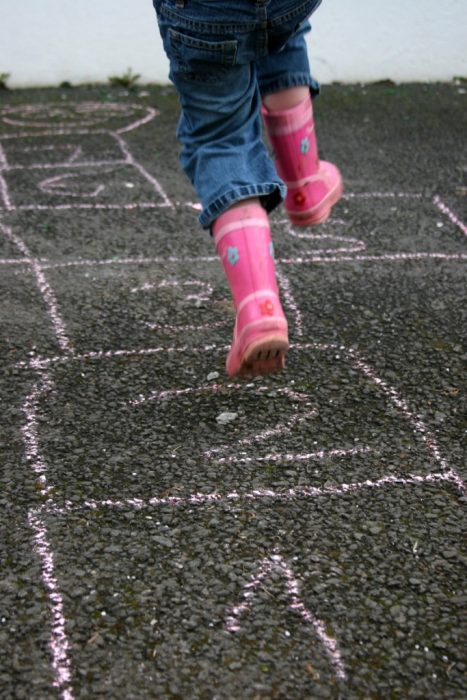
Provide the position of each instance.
(232, 61)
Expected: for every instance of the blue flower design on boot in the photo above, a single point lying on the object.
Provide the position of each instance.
(233, 256)
(305, 145)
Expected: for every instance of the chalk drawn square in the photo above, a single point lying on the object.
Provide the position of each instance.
(88, 187)
(25, 323)
(60, 150)
(139, 235)
(162, 583)
(133, 305)
(165, 581)
(379, 227)
(114, 425)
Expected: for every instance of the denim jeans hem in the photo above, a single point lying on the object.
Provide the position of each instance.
(270, 193)
(289, 80)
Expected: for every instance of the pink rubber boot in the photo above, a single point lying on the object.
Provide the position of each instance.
(313, 186)
(243, 242)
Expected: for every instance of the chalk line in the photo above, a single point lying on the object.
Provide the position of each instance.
(438, 202)
(58, 642)
(45, 290)
(180, 329)
(289, 300)
(137, 260)
(30, 435)
(4, 194)
(69, 164)
(61, 131)
(297, 457)
(14, 261)
(382, 195)
(152, 113)
(395, 257)
(414, 419)
(298, 493)
(133, 206)
(39, 363)
(3, 158)
(150, 178)
(47, 264)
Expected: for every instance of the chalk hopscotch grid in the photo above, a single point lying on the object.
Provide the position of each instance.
(92, 113)
(59, 643)
(127, 159)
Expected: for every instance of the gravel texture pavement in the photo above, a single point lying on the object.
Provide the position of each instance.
(168, 532)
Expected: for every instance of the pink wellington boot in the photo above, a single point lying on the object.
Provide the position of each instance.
(313, 186)
(243, 242)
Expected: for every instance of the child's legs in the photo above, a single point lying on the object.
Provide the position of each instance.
(214, 49)
(223, 153)
(212, 53)
(284, 78)
(313, 186)
(286, 99)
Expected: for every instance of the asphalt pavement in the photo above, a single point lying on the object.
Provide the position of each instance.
(169, 532)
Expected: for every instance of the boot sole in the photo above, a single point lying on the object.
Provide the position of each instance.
(264, 356)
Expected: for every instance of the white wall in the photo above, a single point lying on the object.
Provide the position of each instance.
(44, 42)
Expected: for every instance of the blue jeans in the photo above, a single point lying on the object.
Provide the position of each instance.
(224, 56)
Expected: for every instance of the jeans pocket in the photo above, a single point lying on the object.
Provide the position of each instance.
(200, 60)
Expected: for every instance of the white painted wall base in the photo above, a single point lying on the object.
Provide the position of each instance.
(50, 41)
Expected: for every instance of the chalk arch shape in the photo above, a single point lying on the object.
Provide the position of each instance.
(204, 292)
(274, 563)
(324, 241)
(76, 116)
